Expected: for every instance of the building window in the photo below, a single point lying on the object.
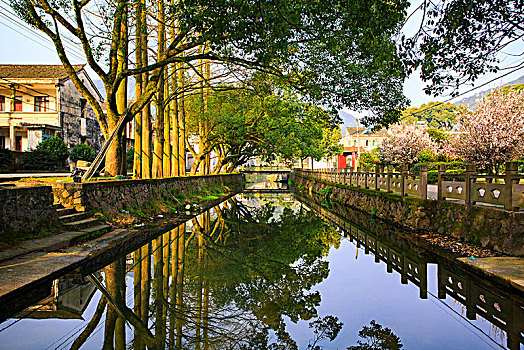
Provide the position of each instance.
(18, 143)
(367, 143)
(18, 104)
(2, 142)
(2, 103)
(41, 104)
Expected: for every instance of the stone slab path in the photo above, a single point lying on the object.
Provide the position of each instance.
(510, 269)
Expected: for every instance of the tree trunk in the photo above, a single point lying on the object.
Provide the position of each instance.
(137, 159)
(180, 284)
(181, 122)
(158, 154)
(146, 114)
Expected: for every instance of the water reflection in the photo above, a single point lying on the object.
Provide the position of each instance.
(224, 280)
(237, 277)
(502, 307)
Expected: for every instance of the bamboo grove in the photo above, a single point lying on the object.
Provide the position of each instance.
(179, 55)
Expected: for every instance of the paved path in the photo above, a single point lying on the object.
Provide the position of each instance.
(14, 176)
(510, 269)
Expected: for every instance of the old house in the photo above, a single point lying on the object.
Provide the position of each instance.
(357, 140)
(40, 101)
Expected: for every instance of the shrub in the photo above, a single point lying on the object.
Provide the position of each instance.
(6, 159)
(82, 151)
(427, 156)
(41, 160)
(56, 147)
(130, 158)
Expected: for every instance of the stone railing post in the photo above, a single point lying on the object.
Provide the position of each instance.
(423, 182)
(403, 176)
(377, 174)
(441, 172)
(511, 170)
(359, 174)
(345, 176)
(351, 176)
(470, 170)
(366, 178)
(390, 175)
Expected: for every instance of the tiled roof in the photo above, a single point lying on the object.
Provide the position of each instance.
(35, 71)
(359, 131)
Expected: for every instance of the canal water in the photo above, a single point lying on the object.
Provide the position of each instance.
(268, 270)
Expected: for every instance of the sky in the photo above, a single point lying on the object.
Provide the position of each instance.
(20, 44)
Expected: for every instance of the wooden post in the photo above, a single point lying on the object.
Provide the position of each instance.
(390, 171)
(470, 170)
(423, 182)
(441, 172)
(511, 170)
(403, 176)
(377, 173)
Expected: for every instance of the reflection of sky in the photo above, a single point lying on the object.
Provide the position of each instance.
(359, 290)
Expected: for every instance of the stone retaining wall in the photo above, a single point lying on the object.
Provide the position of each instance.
(26, 210)
(110, 197)
(500, 230)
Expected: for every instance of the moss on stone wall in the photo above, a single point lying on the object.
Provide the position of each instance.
(493, 228)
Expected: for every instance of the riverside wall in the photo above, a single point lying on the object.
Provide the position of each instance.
(111, 197)
(26, 210)
(497, 229)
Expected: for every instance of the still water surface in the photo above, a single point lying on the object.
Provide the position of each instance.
(261, 271)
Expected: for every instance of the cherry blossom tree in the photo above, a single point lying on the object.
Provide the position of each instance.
(403, 144)
(493, 133)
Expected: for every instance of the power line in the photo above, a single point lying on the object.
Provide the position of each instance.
(75, 51)
(519, 67)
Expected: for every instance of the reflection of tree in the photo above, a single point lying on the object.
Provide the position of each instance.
(377, 338)
(227, 281)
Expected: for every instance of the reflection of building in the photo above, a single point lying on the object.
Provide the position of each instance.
(40, 101)
(357, 140)
(68, 299)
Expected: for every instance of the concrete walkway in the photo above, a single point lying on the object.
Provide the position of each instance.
(16, 176)
(509, 269)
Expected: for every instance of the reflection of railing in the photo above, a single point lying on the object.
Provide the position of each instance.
(480, 296)
(472, 188)
(265, 169)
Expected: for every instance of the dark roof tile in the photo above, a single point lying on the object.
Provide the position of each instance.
(35, 71)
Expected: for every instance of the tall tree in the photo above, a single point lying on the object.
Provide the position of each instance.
(336, 52)
(460, 40)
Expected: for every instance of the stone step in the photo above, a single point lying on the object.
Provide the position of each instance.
(81, 224)
(65, 211)
(72, 217)
(91, 232)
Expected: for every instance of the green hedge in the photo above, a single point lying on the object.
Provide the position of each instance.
(415, 169)
(433, 174)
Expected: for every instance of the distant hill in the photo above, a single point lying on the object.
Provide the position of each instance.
(348, 120)
(472, 101)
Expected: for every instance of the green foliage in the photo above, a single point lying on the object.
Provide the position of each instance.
(56, 147)
(6, 159)
(82, 151)
(377, 338)
(437, 136)
(427, 156)
(436, 114)
(41, 160)
(368, 160)
(460, 41)
(130, 154)
(434, 166)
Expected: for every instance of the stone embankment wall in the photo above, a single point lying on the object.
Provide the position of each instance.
(111, 197)
(500, 230)
(26, 210)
